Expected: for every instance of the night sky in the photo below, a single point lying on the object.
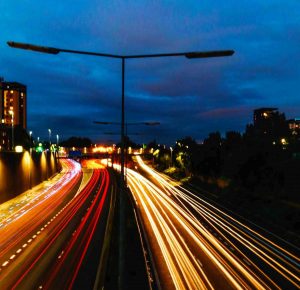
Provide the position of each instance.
(66, 92)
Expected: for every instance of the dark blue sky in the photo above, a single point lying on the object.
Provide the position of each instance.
(189, 97)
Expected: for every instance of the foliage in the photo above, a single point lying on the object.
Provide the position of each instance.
(78, 142)
(260, 162)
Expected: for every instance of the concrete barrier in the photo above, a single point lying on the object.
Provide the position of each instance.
(21, 171)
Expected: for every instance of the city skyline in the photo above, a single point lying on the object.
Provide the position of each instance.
(67, 93)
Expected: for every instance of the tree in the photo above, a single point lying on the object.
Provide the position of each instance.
(78, 142)
(185, 151)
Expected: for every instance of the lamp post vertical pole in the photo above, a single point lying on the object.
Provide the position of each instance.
(49, 131)
(12, 131)
(122, 187)
(30, 157)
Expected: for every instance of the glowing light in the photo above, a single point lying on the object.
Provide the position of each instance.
(19, 149)
(283, 141)
(176, 229)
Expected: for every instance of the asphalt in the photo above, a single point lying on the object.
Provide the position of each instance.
(135, 275)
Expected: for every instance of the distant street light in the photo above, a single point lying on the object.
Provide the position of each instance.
(57, 139)
(171, 150)
(30, 134)
(11, 112)
(49, 131)
(30, 157)
(189, 55)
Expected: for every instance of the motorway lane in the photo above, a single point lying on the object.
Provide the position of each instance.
(33, 210)
(42, 233)
(198, 246)
(74, 255)
(11, 209)
(28, 215)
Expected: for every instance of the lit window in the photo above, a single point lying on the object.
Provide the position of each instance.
(11, 91)
(283, 141)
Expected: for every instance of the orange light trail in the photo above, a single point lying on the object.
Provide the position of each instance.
(188, 229)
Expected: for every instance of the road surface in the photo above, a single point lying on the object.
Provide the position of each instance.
(44, 238)
(196, 245)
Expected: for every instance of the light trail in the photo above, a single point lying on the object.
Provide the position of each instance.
(86, 229)
(35, 211)
(48, 231)
(261, 246)
(28, 223)
(188, 229)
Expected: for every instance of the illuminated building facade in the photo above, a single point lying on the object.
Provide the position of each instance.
(265, 120)
(262, 115)
(294, 126)
(13, 110)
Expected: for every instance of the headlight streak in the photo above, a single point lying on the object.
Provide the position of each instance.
(229, 243)
(165, 180)
(176, 278)
(55, 234)
(10, 235)
(36, 220)
(85, 229)
(266, 248)
(70, 211)
(182, 254)
(260, 253)
(70, 170)
(262, 247)
(190, 226)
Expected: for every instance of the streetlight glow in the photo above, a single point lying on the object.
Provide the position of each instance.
(30, 140)
(49, 131)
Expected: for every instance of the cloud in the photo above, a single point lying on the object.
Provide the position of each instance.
(189, 97)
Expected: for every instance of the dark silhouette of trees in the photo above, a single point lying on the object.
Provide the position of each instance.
(78, 142)
(262, 162)
(212, 155)
(185, 153)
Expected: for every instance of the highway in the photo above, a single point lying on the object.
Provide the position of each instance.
(45, 237)
(197, 245)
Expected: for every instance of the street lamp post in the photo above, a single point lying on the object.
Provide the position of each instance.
(30, 138)
(189, 55)
(30, 157)
(171, 150)
(11, 112)
(49, 131)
